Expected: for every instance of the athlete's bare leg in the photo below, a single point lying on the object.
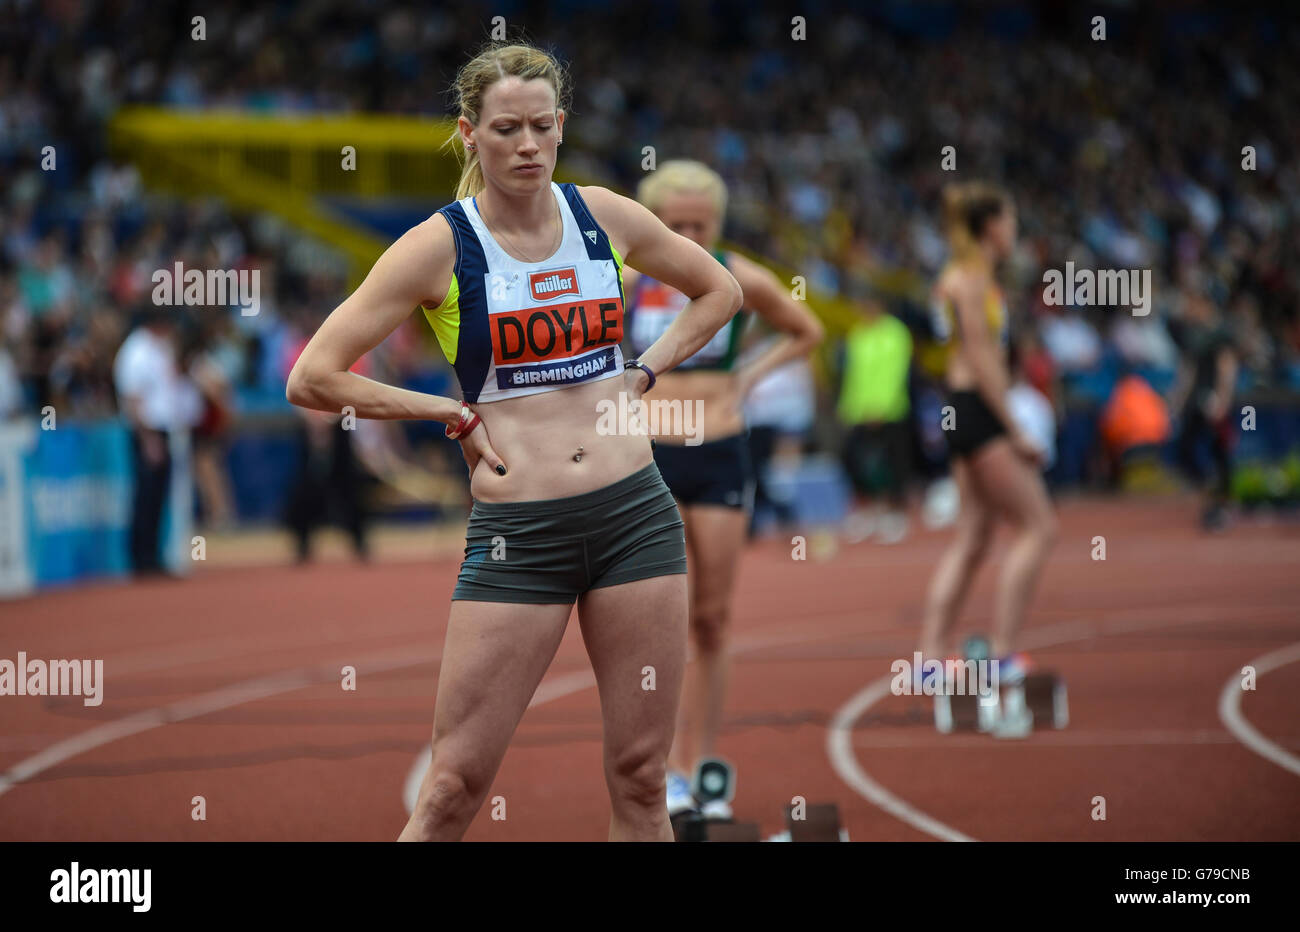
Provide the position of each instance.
(715, 537)
(1014, 488)
(634, 631)
(494, 655)
(956, 568)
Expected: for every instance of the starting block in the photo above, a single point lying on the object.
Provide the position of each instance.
(714, 779)
(691, 826)
(1013, 711)
(821, 822)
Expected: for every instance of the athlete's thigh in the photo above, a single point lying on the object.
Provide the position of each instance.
(717, 538)
(493, 657)
(635, 635)
(976, 515)
(1009, 483)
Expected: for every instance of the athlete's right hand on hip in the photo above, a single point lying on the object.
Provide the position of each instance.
(476, 446)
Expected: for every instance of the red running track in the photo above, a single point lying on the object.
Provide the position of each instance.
(227, 686)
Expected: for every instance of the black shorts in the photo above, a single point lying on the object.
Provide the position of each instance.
(718, 472)
(550, 551)
(973, 424)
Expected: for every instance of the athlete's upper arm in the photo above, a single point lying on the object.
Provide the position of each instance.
(650, 247)
(968, 294)
(768, 297)
(414, 270)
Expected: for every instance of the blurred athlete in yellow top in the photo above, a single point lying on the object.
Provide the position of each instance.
(996, 467)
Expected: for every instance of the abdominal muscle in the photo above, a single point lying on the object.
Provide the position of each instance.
(717, 418)
(536, 436)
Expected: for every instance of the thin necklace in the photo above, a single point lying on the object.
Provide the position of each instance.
(550, 250)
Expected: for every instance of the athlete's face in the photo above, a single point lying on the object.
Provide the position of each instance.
(1002, 231)
(517, 134)
(693, 215)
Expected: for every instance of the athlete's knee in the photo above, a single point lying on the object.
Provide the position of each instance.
(975, 540)
(1046, 527)
(709, 626)
(447, 794)
(637, 775)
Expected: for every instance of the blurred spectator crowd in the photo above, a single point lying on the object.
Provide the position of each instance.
(1124, 153)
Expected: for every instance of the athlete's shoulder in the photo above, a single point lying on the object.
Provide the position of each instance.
(430, 237)
(623, 219)
(427, 252)
(610, 209)
(965, 280)
(596, 197)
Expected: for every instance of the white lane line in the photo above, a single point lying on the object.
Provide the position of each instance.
(196, 706)
(839, 747)
(839, 739)
(839, 735)
(1244, 731)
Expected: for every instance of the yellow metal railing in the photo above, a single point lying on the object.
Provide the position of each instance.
(391, 156)
(282, 163)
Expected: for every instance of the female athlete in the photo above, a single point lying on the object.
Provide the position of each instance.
(521, 281)
(704, 458)
(995, 465)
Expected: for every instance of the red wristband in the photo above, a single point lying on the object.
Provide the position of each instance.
(467, 422)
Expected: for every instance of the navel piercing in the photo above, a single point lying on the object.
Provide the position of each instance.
(577, 457)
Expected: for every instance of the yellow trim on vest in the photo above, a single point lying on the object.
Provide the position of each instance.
(618, 262)
(445, 320)
(995, 312)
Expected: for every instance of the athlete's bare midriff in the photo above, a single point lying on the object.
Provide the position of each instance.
(961, 375)
(718, 417)
(536, 436)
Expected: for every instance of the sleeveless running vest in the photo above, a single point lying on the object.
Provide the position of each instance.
(654, 305)
(943, 317)
(511, 328)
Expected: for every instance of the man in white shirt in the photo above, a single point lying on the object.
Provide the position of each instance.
(155, 397)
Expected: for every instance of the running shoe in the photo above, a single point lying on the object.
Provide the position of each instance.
(717, 809)
(891, 527)
(1014, 667)
(859, 526)
(679, 794)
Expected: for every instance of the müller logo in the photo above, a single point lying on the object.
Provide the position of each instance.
(551, 284)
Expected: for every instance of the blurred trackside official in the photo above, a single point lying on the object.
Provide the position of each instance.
(873, 405)
(154, 398)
